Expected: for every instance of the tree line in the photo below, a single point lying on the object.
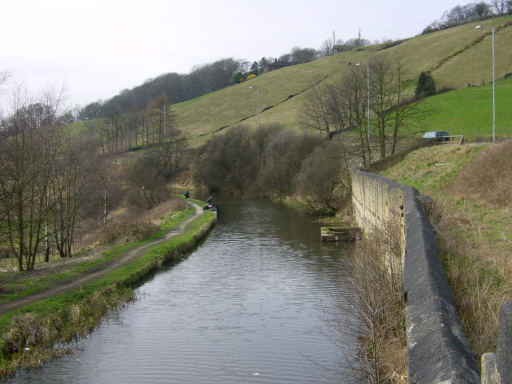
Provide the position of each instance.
(374, 91)
(277, 163)
(468, 13)
(52, 178)
(206, 78)
(201, 80)
(178, 87)
(118, 131)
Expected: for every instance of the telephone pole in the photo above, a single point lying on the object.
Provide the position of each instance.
(165, 122)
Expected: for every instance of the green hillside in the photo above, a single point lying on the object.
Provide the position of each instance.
(468, 111)
(456, 57)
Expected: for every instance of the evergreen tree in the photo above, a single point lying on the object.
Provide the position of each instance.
(426, 86)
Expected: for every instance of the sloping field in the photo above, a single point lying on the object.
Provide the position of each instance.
(456, 57)
(468, 111)
(232, 105)
(474, 65)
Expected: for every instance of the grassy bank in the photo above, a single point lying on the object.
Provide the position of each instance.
(468, 111)
(470, 186)
(29, 334)
(16, 285)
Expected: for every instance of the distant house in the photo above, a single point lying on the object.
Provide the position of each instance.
(276, 65)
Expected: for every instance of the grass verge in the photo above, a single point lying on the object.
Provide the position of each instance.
(472, 218)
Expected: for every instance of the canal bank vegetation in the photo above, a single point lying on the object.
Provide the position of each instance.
(113, 243)
(471, 188)
(380, 308)
(29, 335)
(375, 306)
(69, 209)
(314, 168)
(59, 187)
(280, 164)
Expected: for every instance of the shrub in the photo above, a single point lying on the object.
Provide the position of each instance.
(426, 86)
(122, 232)
(238, 78)
(282, 161)
(477, 272)
(146, 181)
(227, 163)
(376, 306)
(5, 253)
(319, 180)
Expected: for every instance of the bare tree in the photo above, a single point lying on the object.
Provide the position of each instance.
(101, 188)
(355, 84)
(27, 152)
(326, 48)
(502, 7)
(406, 110)
(382, 97)
(391, 108)
(351, 91)
(158, 111)
(66, 191)
(314, 113)
(3, 78)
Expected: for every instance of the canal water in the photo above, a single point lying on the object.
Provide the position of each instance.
(249, 305)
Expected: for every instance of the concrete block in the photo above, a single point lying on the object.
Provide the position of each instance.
(490, 373)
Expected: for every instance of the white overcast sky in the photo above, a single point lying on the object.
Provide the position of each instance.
(97, 48)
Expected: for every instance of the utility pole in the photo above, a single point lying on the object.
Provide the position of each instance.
(165, 123)
(368, 101)
(493, 86)
(258, 101)
(493, 91)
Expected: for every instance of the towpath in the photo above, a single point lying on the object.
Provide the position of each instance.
(97, 273)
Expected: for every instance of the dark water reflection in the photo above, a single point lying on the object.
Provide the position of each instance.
(246, 307)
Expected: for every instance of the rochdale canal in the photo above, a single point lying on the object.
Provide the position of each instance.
(247, 306)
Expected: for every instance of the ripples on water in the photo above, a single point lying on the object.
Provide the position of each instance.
(245, 307)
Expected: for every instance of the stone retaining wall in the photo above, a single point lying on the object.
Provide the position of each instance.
(437, 349)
